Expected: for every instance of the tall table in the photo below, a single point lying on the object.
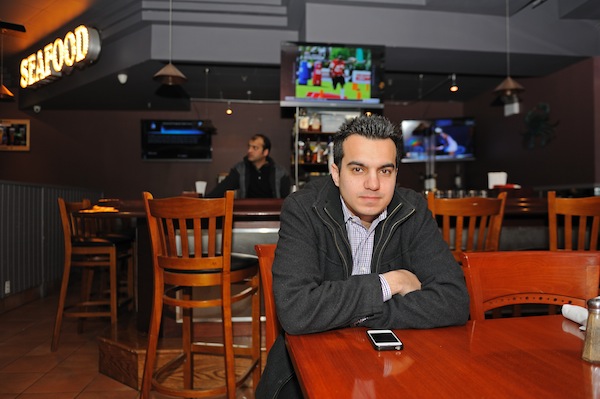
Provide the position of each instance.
(526, 357)
(255, 221)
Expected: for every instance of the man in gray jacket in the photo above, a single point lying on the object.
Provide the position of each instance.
(355, 250)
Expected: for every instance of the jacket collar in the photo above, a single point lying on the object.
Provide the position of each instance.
(268, 164)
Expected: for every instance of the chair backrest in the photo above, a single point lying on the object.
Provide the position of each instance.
(477, 221)
(186, 235)
(72, 225)
(266, 255)
(580, 218)
(501, 278)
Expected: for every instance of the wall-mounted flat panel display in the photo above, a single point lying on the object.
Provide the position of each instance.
(319, 74)
(448, 139)
(177, 140)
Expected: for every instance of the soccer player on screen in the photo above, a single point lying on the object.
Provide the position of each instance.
(337, 69)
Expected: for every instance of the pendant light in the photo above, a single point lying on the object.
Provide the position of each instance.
(509, 88)
(169, 74)
(5, 94)
(454, 86)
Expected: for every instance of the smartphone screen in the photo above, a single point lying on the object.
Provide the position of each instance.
(384, 340)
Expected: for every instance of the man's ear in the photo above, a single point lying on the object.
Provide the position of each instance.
(335, 174)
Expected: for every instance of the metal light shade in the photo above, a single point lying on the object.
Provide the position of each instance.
(508, 87)
(6, 94)
(170, 75)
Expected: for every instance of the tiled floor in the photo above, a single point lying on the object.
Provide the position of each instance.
(29, 370)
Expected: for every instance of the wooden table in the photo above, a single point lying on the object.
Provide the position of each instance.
(526, 357)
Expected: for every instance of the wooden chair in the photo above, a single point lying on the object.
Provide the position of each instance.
(477, 221)
(85, 250)
(580, 218)
(188, 252)
(266, 255)
(497, 279)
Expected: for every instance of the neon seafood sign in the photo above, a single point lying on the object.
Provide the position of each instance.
(78, 48)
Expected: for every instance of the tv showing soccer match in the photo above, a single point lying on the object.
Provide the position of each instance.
(331, 74)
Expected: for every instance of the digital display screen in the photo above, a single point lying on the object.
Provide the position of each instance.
(177, 139)
(317, 72)
(446, 139)
(385, 337)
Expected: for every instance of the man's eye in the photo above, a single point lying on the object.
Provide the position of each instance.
(357, 169)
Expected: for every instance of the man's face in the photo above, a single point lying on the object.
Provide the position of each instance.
(366, 176)
(256, 152)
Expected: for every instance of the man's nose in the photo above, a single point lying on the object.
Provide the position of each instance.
(372, 181)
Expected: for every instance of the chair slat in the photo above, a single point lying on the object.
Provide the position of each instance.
(594, 233)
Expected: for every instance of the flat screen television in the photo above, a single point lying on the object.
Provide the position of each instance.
(331, 75)
(177, 140)
(448, 139)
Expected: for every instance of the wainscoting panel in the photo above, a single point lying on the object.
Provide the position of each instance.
(31, 244)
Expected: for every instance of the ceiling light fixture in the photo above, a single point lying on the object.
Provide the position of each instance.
(229, 111)
(454, 86)
(169, 74)
(508, 90)
(5, 94)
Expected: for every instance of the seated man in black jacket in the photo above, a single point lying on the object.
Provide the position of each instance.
(356, 250)
(257, 176)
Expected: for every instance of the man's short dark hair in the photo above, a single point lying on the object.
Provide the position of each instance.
(266, 141)
(374, 127)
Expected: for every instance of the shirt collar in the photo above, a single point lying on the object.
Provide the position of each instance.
(348, 215)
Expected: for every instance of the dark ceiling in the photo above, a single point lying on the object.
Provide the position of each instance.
(411, 74)
(248, 82)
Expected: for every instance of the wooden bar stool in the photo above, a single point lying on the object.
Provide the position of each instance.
(85, 250)
(194, 268)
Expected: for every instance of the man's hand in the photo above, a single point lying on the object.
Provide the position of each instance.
(402, 282)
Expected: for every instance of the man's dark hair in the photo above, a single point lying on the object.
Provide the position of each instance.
(266, 140)
(374, 127)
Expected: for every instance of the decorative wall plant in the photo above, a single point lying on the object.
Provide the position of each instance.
(539, 130)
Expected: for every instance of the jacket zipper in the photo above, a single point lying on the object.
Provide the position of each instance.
(332, 228)
(389, 234)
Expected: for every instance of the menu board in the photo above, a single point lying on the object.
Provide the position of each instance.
(14, 135)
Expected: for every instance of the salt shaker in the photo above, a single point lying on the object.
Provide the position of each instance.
(591, 346)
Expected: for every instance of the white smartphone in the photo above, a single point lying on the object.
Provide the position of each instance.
(384, 340)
